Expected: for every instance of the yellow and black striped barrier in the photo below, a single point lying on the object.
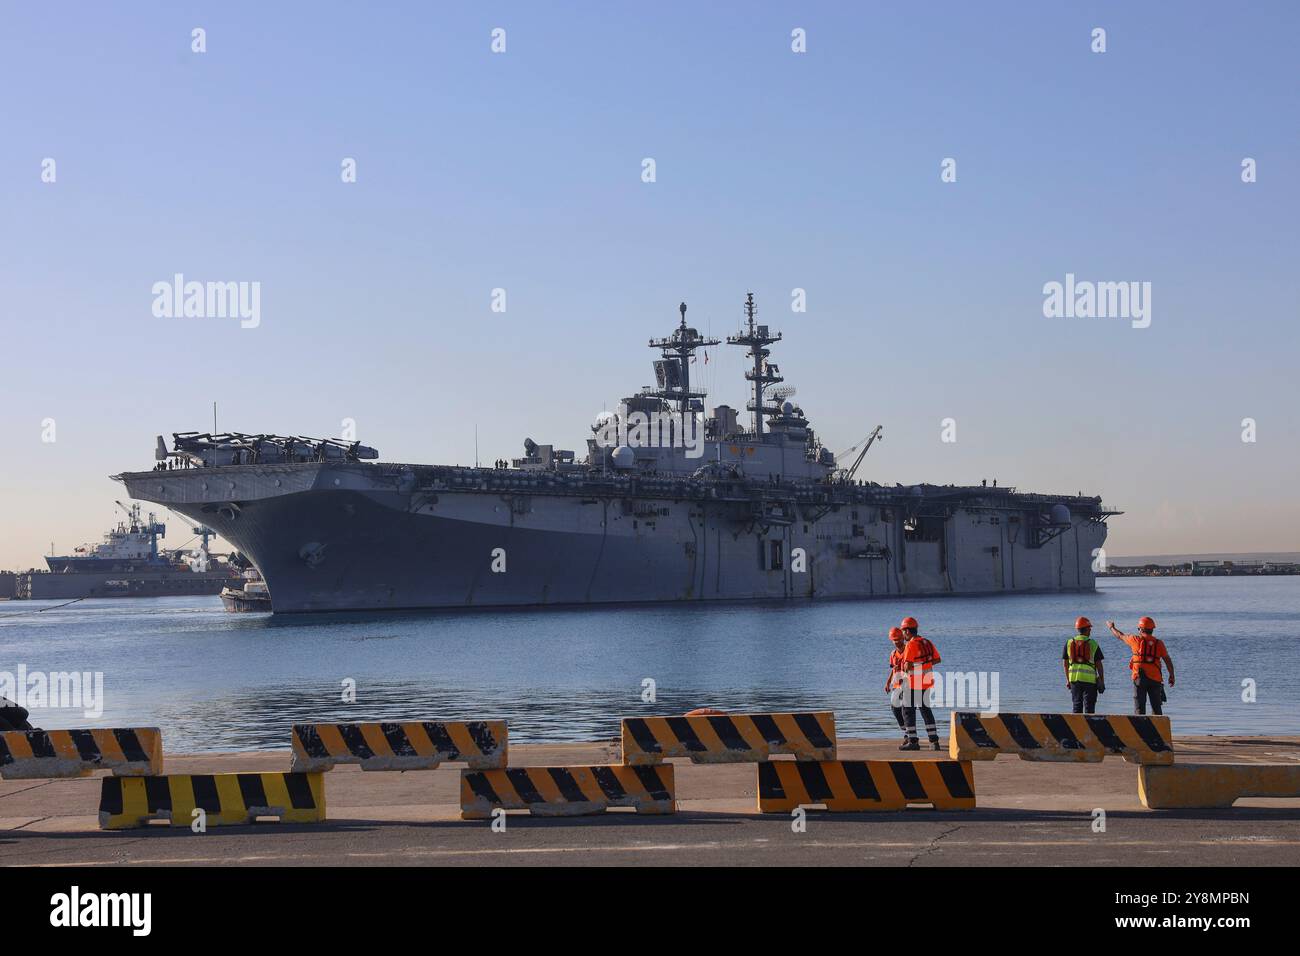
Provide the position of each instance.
(406, 745)
(855, 785)
(1204, 786)
(729, 738)
(1085, 738)
(27, 754)
(567, 791)
(226, 798)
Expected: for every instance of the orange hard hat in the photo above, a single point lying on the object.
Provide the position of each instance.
(895, 634)
(908, 623)
(1147, 624)
(1081, 623)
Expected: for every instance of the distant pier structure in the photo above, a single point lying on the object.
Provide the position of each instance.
(1201, 569)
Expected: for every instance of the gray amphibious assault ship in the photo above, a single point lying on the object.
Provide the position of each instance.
(669, 504)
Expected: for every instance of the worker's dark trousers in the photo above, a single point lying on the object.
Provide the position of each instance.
(1084, 697)
(1145, 688)
(898, 716)
(914, 700)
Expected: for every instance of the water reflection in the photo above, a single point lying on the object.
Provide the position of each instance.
(218, 681)
(259, 720)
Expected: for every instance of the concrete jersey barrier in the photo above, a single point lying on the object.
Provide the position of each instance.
(401, 745)
(31, 754)
(1203, 786)
(1084, 738)
(567, 791)
(856, 785)
(730, 738)
(226, 798)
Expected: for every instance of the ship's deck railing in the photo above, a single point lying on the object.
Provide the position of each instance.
(723, 487)
(454, 477)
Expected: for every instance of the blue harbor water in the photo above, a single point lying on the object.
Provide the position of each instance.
(219, 681)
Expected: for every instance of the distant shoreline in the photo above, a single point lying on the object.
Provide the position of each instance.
(1203, 569)
(1237, 557)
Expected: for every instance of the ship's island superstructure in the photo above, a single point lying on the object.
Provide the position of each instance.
(668, 504)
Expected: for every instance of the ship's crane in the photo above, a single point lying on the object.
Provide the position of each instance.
(154, 529)
(847, 474)
(133, 512)
(200, 561)
(203, 533)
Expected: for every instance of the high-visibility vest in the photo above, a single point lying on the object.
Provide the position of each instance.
(1082, 652)
(896, 669)
(1146, 658)
(926, 656)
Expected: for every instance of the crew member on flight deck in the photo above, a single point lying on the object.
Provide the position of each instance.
(894, 682)
(1148, 651)
(1084, 675)
(919, 658)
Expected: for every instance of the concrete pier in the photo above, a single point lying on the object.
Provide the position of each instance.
(1028, 814)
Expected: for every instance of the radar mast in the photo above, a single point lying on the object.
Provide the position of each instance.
(757, 338)
(673, 371)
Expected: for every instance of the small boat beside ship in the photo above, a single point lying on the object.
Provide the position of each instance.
(251, 595)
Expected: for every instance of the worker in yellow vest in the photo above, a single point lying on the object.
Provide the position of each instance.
(1085, 676)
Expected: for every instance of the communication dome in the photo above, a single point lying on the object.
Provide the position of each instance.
(1059, 515)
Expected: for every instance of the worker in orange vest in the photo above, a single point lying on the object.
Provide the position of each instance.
(894, 682)
(919, 658)
(1148, 651)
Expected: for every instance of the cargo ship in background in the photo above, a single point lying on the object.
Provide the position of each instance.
(763, 512)
(129, 563)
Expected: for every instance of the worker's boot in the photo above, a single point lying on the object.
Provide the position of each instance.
(934, 745)
(910, 744)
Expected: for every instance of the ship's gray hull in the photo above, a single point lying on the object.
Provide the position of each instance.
(342, 537)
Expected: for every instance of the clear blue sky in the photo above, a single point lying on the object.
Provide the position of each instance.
(775, 171)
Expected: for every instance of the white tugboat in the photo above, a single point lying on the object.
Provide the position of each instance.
(253, 595)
